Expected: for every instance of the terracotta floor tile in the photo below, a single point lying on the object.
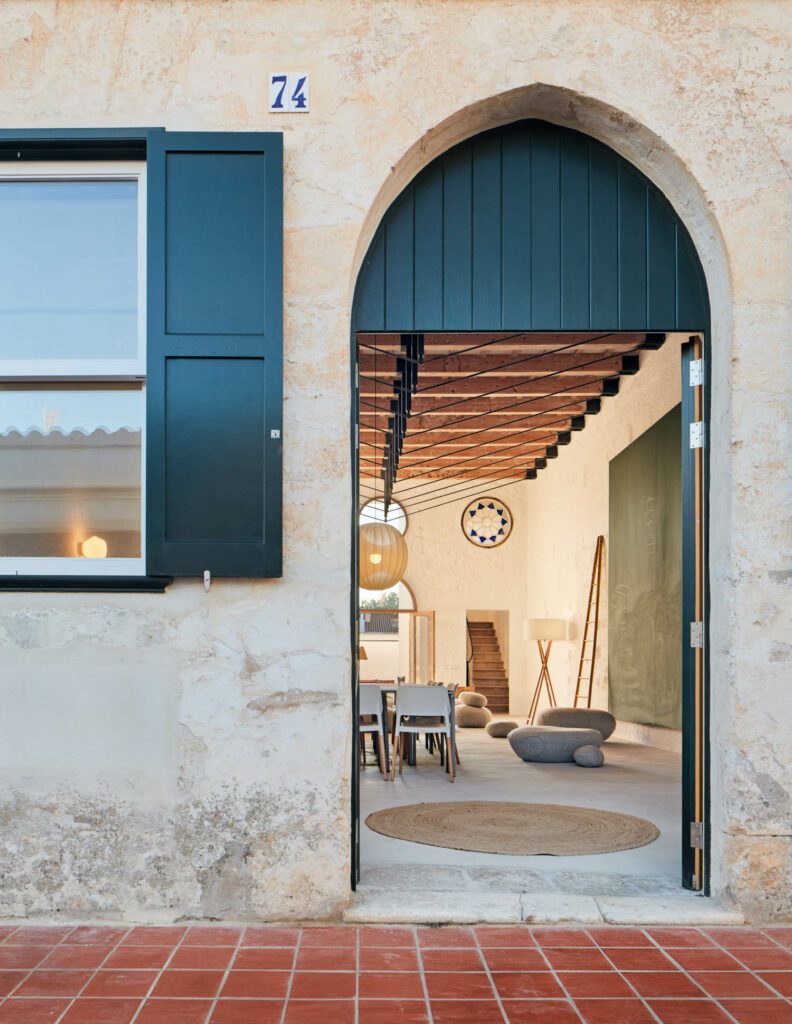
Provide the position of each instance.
(323, 985)
(595, 984)
(640, 960)
(577, 959)
(759, 1011)
(101, 1011)
(459, 986)
(515, 960)
(388, 960)
(270, 936)
(247, 1011)
(452, 960)
(612, 935)
(323, 1012)
(208, 935)
(686, 1011)
(117, 984)
(618, 1011)
(337, 937)
(32, 1011)
(39, 935)
(9, 981)
(96, 935)
(22, 957)
(540, 1011)
(261, 958)
(146, 935)
(704, 959)
(188, 985)
(445, 938)
(387, 937)
(730, 984)
(680, 938)
(391, 985)
(326, 958)
(77, 956)
(451, 1012)
(255, 985)
(663, 985)
(386, 1011)
(205, 958)
(527, 986)
(739, 938)
(6, 931)
(490, 938)
(138, 957)
(53, 983)
(562, 937)
(780, 933)
(764, 959)
(779, 981)
(175, 1011)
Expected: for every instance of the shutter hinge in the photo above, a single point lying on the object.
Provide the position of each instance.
(697, 434)
(697, 835)
(207, 580)
(696, 634)
(696, 372)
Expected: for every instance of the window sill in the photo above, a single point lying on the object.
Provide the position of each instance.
(87, 584)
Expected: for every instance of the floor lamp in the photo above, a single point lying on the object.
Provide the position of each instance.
(544, 632)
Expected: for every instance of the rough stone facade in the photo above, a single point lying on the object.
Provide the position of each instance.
(188, 754)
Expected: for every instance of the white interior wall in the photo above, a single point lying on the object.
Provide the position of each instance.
(567, 508)
(382, 658)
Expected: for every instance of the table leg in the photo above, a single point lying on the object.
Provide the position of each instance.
(386, 737)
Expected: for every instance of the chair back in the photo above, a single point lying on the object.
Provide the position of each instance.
(369, 699)
(422, 701)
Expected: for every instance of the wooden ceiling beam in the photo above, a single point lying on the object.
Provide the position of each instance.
(482, 387)
(510, 365)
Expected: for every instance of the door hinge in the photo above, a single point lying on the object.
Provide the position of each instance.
(696, 634)
(696, 372)
(697, 835)
(697, 434)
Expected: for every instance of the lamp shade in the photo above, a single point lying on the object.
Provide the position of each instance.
(383, 556)
(362, 656)
(547, 629)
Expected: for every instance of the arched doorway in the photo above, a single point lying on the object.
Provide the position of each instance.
(539, 231)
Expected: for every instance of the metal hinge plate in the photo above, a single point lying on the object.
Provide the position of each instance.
(696, 634)
(697, 835)
(696, 372)
(697, 434)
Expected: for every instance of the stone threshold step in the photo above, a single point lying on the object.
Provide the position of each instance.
(427, 907)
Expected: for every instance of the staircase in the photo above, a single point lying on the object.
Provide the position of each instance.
(488, 675)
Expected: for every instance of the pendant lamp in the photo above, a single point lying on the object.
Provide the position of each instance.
(383, 556)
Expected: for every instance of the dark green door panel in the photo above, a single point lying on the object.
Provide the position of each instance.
(215, 356)
(531, 227)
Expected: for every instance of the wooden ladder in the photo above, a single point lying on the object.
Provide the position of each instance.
(588, 649)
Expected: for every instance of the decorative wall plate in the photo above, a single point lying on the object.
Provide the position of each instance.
(487, 522)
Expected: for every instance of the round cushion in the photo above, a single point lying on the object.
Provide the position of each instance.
(472, 718)
(589, 757)
(501, 729)
(549, 744)
(473, 699)
(579, 718)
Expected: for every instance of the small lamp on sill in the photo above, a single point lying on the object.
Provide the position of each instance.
(362, 656)
(94, 547)
(544, 631)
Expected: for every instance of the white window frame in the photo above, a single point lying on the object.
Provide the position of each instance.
(88, 371)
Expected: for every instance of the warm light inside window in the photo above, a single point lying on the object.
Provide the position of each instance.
(94, 547)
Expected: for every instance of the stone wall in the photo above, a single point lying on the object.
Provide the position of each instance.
(188, 754)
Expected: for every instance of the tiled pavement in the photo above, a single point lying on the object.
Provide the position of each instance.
(368, 975)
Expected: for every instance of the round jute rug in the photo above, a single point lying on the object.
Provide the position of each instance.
(517, 829)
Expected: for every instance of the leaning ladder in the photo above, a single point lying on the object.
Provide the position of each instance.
(588, 649)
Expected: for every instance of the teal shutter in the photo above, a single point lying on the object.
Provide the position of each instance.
(215, 354)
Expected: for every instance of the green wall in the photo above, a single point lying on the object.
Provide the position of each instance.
(645, 578)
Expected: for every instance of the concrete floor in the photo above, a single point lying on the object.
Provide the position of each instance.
(635, 779)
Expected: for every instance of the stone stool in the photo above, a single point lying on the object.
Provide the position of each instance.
(549, 744)
(500, 730)
(468, 717)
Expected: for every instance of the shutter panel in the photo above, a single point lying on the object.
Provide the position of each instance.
(215, 354)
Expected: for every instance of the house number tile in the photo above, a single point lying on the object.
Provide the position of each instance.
(289, 92)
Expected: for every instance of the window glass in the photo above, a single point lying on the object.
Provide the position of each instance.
(70, 471)
(374, 512)
(68, 270)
